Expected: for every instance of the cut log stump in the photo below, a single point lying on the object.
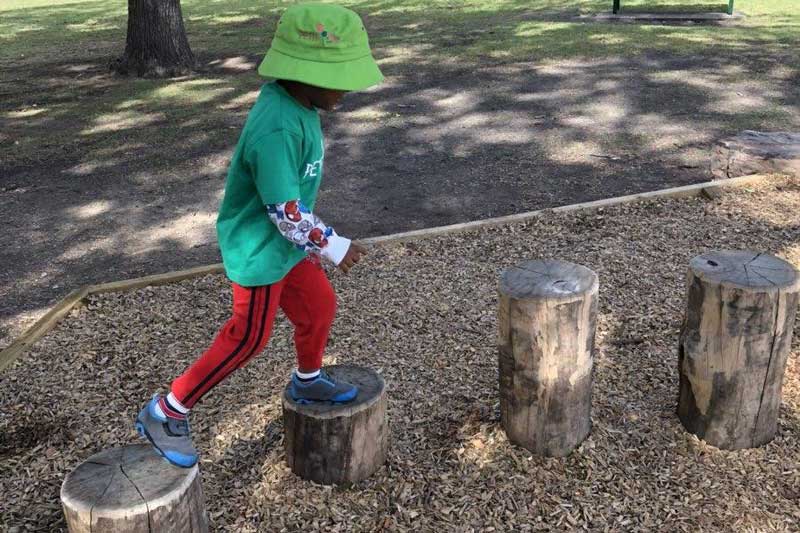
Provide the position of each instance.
(133, 489)
(734, 343)
(757, 152)
(338, 444)
(546, 321)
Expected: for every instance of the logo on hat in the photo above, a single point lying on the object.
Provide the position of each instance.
(322, 33)
(327, 36)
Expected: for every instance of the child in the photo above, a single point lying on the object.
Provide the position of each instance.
(270, 239)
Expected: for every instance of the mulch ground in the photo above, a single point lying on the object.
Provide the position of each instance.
(423, 315)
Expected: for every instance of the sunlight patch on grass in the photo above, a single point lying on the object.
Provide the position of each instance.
(576, 152)
(371, 114)
(13, 5)
(11, 32)
(26, 113)
(604, 39)
(185, 230)
(536, 29)
(661, 133)
(196, 91)
(402, 54)
(225, 19)
(90, 167)
(242, 101)
(237, 63)
(124, 120)
(693, 37)
(77, 253)
(730, 91)
(92, 26)
(134, 102)
(458, 100)
(90, 210)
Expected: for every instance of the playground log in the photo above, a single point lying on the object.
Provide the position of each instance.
(734, 344)
(133, 489)
(546, 324)
(338, 443)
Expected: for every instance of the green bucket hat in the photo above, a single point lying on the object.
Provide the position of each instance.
(323, 45)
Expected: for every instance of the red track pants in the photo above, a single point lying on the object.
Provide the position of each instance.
(307, 299)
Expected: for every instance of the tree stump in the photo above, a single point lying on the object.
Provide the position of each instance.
(757, 152)
(546, 321)
(336, 444)
(734, 343)
(133, 489)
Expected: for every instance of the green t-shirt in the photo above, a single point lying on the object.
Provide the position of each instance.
(278, 159)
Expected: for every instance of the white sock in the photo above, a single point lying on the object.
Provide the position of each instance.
(304, 376)
(175, 404)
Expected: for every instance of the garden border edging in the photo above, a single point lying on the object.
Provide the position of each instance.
(76, 298)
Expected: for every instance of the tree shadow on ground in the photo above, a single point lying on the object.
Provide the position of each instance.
(485, 112)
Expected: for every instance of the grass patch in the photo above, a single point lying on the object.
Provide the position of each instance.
(471, 28)
(54, 56)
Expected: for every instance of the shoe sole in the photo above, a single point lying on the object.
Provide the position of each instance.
(304, 401)
(143, 432)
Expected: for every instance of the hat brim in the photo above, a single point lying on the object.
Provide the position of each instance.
(354, 75)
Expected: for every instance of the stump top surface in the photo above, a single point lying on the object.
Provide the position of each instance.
(746, 269)
(120, 479)
(370, 388)
(780, 144)
(547, 278)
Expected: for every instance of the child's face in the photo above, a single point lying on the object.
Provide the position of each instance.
(326, 99)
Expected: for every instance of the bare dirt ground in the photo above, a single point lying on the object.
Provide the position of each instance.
(423, 315)
(430, 147)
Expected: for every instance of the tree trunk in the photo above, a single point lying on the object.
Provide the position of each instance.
(546, 321)
(734, 344)
(156, 45)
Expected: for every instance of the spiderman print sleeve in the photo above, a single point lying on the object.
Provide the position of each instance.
(307, 232)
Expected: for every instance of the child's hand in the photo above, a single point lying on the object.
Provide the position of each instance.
(352, 257)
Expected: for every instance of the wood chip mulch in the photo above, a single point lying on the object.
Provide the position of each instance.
(423, 314)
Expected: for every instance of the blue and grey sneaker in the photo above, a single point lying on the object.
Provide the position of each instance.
(171, 437)
(321, 389)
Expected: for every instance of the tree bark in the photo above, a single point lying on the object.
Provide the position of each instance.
(156, 45)
(133, 489)
(546, 322)
(734, 344)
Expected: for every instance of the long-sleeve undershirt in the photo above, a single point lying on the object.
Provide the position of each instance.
(307, 232)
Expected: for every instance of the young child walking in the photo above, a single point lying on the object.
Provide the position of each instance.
(271, 241)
